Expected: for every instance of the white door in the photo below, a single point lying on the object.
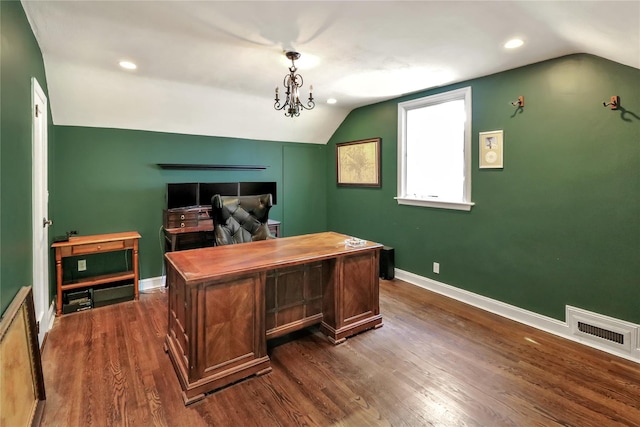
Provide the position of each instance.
(40, 209)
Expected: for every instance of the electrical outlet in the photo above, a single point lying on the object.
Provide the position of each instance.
(436, 267)
(82, 265)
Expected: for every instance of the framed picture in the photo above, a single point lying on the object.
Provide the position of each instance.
(491, 146)
(22, 383)
(358, 163)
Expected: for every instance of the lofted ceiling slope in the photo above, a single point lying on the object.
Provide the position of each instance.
(211, 67)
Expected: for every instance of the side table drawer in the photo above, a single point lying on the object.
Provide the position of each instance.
(91, 248)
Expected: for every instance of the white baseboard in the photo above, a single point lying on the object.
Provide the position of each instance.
(530, 318)
(51, 314)
(151, 283)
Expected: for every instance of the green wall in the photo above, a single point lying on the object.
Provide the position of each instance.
(558, 225)
(20, 59)
(108, 181)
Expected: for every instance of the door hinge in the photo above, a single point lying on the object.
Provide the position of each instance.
(37, 327)
(37, 110)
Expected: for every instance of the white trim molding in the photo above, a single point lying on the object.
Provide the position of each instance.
(460, 206)
(51, 315)
(151, 283)
(464, 203)
(530, 318)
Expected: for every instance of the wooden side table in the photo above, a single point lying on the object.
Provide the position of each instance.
(87, 245)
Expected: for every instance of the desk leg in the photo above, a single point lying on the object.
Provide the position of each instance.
(169, 240)
(135, 269)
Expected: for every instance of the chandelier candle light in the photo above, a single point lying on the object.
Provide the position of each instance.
(292, 83)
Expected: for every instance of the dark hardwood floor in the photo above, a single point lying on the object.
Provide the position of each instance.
(436, 362)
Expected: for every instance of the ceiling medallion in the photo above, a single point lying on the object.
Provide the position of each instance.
(292, 84)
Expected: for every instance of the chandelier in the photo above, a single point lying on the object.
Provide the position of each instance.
(292, 83)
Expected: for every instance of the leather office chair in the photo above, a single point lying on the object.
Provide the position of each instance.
(240, 219)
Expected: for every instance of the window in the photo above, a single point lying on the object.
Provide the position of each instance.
(434, 151)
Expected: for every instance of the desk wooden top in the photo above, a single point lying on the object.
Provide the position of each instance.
(198, 265)
(97, 238)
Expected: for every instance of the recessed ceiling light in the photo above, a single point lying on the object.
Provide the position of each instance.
(331, 101)
(513, 43)
(128, 65)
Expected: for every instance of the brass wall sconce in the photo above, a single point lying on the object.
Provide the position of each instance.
(518, 102)
(613, 103)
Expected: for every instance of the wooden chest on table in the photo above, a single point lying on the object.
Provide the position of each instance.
(185, 217)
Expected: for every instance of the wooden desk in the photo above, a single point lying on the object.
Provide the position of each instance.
(86, 245)
(172, 235)
(226, 301)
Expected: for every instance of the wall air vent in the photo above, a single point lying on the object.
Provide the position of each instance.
(603, 330)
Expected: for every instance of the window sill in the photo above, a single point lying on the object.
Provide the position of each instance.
(440, 204)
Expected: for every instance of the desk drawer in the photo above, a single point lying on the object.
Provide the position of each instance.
(182, 223)
(91, 248)
(182, 216)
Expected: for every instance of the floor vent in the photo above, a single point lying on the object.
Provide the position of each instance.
(601, 333)
(603, 330)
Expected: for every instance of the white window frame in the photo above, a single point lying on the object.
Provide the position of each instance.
(465, 204)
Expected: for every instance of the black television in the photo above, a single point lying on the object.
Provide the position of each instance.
(208, 189)
(255, 188)
(182, 195)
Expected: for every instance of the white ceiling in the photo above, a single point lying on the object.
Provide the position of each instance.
(211, 67)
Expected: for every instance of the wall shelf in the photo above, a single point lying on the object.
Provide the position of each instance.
(185, 166)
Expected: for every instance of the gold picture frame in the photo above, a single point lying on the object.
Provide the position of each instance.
(491, 149)
(358, 163)
(22, 382)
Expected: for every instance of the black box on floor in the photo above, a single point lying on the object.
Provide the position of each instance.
(76, 306)
(113, 295)
(387, 263)
(69, 297)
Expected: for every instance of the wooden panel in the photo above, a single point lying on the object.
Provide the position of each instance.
(313, 290)
(330, 279)
(21, 382)
(270, 300)
(228, 323)
(177, 315)
(293, 298)
(358, 298)
(290, 286)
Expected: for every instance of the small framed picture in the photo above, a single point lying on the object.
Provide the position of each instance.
(358, 163)
(491, 147)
